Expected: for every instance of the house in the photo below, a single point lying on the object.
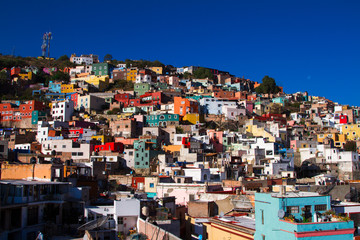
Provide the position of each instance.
(141, 88)
(103, 69)
(183, 106)
(233, 112)
(90, 102)
(161, 120)
(123, 128)
(145, 152)
(352, 131)
(214, 106)
(77, 151)
(131, 74)
(274, 214)
(230, 227)
(26, 211)
(110, 146)
(19, 114)
(84, 59)
(62, 111)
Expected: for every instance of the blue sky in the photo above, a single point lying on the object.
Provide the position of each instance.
(304, 45)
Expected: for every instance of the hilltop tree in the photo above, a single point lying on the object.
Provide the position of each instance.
(63, 58)
(108, 57)
(202, 73)
(268, 86)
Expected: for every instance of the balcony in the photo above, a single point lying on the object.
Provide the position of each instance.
(314, 229)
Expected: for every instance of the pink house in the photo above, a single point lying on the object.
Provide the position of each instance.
(216, 138)
(183, 192)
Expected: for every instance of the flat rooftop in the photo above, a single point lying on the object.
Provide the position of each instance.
(25, 182)
(242, 221)
(295, 194)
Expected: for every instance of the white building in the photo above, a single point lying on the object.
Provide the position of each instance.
(84, 59)
(80, 69)
(62, 111)
(214, 105)
(44, 127)
(23, 146)
(143, 78)
(198, 174)
(123, 215)
(232, 112)
(79, 151)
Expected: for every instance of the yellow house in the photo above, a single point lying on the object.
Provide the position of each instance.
(26, 76)
(193, 118)
(150, 186)
(67, 88)
(100, 82)
(103, 138)
(158, 70)
(131, 74)
(338, 138)
(219, 229)
(352, 131)
(260, 132)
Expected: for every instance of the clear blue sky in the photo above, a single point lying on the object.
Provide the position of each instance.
(305, 45)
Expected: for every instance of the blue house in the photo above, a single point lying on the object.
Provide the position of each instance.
(54, 87)
(274, 214)
(279, 100)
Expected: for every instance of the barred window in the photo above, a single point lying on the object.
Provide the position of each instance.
(321, 207)
(292, 209)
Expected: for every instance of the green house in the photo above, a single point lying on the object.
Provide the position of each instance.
(161, 120)
(145, 151)
(141, 88)
(102, 69)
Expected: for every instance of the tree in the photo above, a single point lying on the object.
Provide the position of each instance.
(268, 86)
(202, 73)
(108, 57)
(186, 75)
(350, 146)
(63, 58)
(61, 76)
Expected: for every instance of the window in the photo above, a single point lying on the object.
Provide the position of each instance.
(152, 185)
(292, 209)
(120, 220)
(131, 153)
(321, 207)
(262, 216)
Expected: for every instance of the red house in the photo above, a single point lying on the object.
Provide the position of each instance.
(13, 112)
(138, 183)
(343, 119)
(15, 70)
(110, 146)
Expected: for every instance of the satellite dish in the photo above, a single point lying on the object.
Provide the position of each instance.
(281, 213)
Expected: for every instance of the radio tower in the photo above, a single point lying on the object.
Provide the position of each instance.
(46, 44)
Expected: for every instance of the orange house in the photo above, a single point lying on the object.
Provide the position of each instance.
(183, 106)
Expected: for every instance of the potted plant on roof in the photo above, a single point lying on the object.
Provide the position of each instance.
(290, 218)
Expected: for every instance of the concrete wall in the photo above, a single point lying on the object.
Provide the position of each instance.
(151, 231)
(40, 171)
